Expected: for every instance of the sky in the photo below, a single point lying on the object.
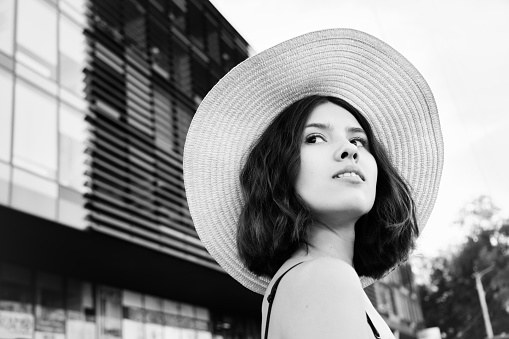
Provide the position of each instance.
(462, 49)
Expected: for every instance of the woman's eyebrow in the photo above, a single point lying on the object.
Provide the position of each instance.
(319, 125)
(329, 127)
(355, 130)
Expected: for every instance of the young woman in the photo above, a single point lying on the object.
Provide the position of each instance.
(310, 169)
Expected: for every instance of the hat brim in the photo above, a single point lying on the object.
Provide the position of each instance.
(344, 63)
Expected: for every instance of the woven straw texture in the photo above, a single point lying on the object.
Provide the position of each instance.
(351, 65)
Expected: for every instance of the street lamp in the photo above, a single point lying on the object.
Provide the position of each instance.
(482, 299)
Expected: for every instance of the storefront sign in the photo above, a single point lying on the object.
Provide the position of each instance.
(16, 325)
(51, 320)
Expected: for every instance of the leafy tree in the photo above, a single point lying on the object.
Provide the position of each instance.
(450, 300)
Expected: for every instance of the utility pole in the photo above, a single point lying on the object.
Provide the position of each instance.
(482, 299)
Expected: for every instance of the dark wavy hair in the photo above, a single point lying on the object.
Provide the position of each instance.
(274, 220)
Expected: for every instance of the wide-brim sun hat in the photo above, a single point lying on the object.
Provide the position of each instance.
(344, 63)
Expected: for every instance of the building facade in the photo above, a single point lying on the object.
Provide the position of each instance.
(95, 237)
(396, 299)
(96, 240)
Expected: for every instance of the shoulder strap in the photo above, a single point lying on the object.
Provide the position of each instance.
(373, 328)
(271, 296)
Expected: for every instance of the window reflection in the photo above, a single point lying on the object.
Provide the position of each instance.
(72, 148)
(33, 194)
(5, 114)
(6, 26)
(37, 36)
(178, 14)
(72, 55)
(74, 9)
(110, 312)
(132, 322)
(78, 5)
(37, 79)
(49, 308)
(15, 289)
(80, 323)
(35, 131)
(163, 117)
(80, 298)
(196, 25)
(154, 319)
(73, 100)
(71, 210)
(181, 67)
(4, 183)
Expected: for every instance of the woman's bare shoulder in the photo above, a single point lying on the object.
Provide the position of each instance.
(328, 278)
(330, 271)
(321, 298)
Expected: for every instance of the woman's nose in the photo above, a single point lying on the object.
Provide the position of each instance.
(347, 151)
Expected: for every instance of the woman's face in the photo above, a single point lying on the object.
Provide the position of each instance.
(337, 176)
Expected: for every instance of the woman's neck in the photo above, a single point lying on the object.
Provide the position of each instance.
(325, 241)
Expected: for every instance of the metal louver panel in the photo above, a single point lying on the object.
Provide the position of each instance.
(141, 82)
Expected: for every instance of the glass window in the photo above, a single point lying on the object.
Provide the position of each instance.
(171, 327)
(204, 335)
(78, 329)
(36, 79)
(132, 323)
(134, 25)
(79, 297)
(200, 78)
(188, 333)
(163, 119)
(227, 49)
(35, 131)
(74, 9)
(72, 131)
(6, 61)
(5, 179)
(80, 306)
(178, 14)
(37, 36)
(72, 56)
(109, 312)
(73, 100)
(181, 67)
(203, 323)
(33, 194)
(171, 332)
(196, 27)
(6, 26)
(78, 5)
(183, 118)
(49, 309)
(187, 322)
(17, 320)
(15, 289)
(212, 36)
(71, 210)
(6, 82)
(153, 318)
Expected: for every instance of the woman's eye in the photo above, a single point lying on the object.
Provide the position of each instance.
(314, 139)
(359, 142)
